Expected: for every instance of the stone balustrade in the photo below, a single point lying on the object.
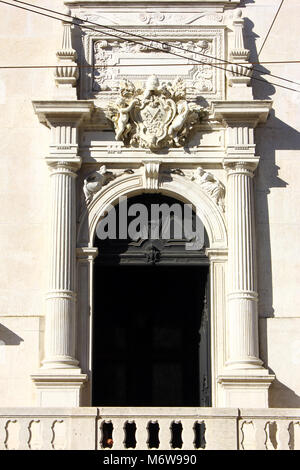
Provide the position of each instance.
(149, 428)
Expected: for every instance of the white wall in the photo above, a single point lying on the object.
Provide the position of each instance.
(26, 38)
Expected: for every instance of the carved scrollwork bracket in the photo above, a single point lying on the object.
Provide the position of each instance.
(151, 175)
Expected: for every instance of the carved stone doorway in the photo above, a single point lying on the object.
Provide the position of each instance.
(151, 325)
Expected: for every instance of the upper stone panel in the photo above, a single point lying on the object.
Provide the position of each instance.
(168, 38)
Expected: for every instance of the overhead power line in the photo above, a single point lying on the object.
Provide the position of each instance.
(95, 66)
(100, 66)
(268, 33)
(164, 44)
(131, 40)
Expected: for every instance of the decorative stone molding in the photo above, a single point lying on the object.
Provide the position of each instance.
(151, 175)
(107, 52)
(211, 184)
(154, 118)
(59, 389)
(63, 118)
(239, 72)
(86, 253)
(108, 58)
(241, 167)
(66, 73)
(251, 390)
(212, 217)
(240, 118)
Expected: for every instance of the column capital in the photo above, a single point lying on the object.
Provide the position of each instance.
(86, 253)
(240, 167)
(66, 166)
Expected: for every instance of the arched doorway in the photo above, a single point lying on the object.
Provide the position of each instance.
(151, 325)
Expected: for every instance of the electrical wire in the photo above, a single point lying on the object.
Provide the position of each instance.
(95, 66)
(268, 33)
(133, 41)
(75, 18)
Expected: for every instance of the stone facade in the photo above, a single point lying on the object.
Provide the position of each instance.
(66, 129)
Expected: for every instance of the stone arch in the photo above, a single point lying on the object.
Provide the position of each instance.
(178, 187)
(185, 190)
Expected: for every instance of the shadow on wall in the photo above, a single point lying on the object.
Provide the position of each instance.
(280, 395)
(8, 337)
(270, 137)
(283, 397)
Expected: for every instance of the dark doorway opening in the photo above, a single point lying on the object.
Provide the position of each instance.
(151, 326)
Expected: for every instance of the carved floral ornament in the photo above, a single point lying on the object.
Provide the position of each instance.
(157, 117)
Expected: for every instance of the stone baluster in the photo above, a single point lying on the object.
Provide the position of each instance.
(118, 435)
(141, 434)
(24, 434)
(2, 433)
(188, 434)
(164, 434)
(260, 434)
(47, 434)
(283, 434)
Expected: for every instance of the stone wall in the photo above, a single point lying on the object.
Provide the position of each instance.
(29, 39)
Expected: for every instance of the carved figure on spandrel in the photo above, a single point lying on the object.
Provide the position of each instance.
(211, 184)
(94, 182)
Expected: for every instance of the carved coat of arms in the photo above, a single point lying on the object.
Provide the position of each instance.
(156, 117)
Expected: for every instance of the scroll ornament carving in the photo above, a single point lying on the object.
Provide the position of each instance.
(210, 184)
(94, 182)
(106, 53)
(156, 117)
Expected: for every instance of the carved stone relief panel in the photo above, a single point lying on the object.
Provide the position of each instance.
(135, 59)
(158, 116)
(155, 16)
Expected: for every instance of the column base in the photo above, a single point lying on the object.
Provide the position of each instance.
(57, 388)
(60, 362)
(246, 389)
(249, 363)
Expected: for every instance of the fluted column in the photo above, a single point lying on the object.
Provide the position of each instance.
(61, 296)
(59, 381)
(243, 352)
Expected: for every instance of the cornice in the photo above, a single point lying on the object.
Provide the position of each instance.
(62, 108)
(255, 110)
(151, 3)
